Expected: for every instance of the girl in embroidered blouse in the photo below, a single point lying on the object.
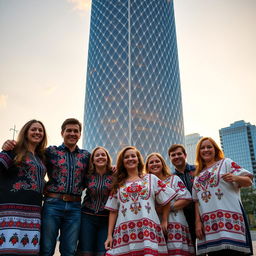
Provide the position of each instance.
(178, 237)
(21, 185)
(94, 220)
(134, 227)
(221, 225)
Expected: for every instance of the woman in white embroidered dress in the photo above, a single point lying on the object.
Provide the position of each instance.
(221, 224)
(178, 237)
(134, 226)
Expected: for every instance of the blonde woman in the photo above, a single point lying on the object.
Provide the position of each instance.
(178, 237)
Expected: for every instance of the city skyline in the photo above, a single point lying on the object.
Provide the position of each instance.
(44, 52)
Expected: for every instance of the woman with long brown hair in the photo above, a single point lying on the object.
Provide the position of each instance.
(221, 225)
(134, 227)
(22, 174)
(94, 218)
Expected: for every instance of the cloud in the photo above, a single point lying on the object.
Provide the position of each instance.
(3, 101)
(81, 5)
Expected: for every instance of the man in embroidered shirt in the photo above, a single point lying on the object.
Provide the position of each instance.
(66, 168)
(185, 171)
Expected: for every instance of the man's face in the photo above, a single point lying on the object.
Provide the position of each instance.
(178, 158)
(71, 135)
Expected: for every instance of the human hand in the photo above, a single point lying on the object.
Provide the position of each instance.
(9, 145)
(114, 169)
(199, 230)
(229, 177)
(109, 242)
(164, 224)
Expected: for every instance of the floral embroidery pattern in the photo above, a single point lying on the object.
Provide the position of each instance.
(207, 178)
(133, 231)
(223, 221)
(2, 239)
(123, 210)
(148, 207)
(219, 194)
(30, 174)
(66, 169)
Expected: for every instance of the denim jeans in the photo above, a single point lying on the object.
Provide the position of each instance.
(62, 216)
(93, 234)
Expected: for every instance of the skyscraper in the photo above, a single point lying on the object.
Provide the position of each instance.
(238, 142)
(191, 141)
(133, 94)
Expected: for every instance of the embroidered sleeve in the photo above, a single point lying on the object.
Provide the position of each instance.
(235, 169)
(180, 189)
(194, 194)
(6, 159)
(164, 194)
(112, 203)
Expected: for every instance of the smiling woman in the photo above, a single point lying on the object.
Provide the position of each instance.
(221, 224)
(22, 174)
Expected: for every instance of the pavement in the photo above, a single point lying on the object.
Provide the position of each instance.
(253, 233)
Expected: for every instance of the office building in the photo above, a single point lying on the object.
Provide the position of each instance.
(133, 94)
(238, 142)
(191, 141)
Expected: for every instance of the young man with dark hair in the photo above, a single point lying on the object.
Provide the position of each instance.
(185, 171)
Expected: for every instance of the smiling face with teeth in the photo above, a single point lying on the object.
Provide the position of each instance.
(155, 165)
(207, 152)
(100, 158)
(35, 133)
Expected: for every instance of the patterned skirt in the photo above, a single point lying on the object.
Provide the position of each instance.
(19, 229)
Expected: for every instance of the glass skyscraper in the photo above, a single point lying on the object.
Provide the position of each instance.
(133, 94)
(238, 142)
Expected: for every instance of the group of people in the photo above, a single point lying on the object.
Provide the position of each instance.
(130, 209)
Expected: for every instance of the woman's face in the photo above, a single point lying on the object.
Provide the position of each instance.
(100, 158)
(207, 151)
(35, 133)
(130, 160)
(155, 165)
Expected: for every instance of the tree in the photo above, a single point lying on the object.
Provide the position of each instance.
(248, 196)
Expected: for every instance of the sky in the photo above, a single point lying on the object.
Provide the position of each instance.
(43, 59)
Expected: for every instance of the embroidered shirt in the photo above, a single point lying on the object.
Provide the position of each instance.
(25, 178)
(97, 191)
(66, 170)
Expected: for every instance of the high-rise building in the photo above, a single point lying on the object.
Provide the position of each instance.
(133, 94)
(238, 142)
(191, 141)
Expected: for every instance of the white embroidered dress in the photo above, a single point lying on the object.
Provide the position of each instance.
(178, 239)
(137, 230)
(220, 208)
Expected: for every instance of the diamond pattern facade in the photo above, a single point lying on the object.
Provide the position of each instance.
(133, 94)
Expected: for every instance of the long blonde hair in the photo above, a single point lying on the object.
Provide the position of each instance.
(165, 170)
(200, 163)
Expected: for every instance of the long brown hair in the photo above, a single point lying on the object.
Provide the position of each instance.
(121, 173)
(92, 168)
(200, 163)
(165, 170)
(21, 148)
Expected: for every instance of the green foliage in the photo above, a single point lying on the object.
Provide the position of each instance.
(248, 196)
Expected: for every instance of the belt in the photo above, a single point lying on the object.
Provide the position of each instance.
(64, 197)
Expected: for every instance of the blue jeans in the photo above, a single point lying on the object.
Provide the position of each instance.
(93, 234)
(62, 216)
